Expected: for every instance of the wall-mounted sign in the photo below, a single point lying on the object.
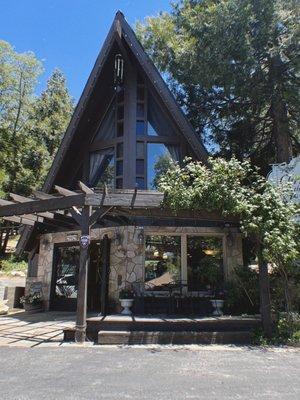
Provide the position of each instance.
(35, 287)
(84, 241)
(72, 238)
(287, 172)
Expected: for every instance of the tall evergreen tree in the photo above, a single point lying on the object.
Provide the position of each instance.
(52, 113)
(235, 67)
(21, 155)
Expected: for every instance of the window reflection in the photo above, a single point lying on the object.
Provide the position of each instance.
(160, 158)
(162, 262)
(67, 267)
(102, 168)
(204, 263)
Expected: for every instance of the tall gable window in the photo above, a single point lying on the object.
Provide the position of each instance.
(106, 161)
(157, 145)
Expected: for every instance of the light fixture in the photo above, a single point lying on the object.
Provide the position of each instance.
(156, 253)
(119, 71)
(140, 236)
(118, 238)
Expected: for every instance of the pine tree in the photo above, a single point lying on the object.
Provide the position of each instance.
(234, 66)
(52, 113)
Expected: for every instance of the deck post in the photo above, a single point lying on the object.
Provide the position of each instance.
(265, 300)
(80, 328)
(105, 273)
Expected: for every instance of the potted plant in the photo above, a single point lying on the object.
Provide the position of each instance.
(32, 302)
(126, 298)
(211, 271)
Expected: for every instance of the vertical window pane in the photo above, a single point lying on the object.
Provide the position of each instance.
(162, 261)
(120, 129)
(119, 183)
(141, 93)
(119, 168)
(140, 110)
(140, 128)
(159, 158)
(204, 263)
(102, 168)
(140, 170)
(140, 183)
(120, 112)
(119, 150)
(140, 150)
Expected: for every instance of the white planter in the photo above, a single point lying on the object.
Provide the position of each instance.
(126, 304)
(217, 305)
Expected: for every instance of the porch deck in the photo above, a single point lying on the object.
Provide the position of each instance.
(120, 329)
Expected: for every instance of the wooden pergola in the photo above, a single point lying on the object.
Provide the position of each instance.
(77, 210)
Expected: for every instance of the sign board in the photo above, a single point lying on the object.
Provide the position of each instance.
(84, 241)
(287, 172)
(36, 287)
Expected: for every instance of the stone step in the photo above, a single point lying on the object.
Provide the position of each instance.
(162, 337)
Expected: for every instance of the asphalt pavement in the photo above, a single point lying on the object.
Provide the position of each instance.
(156, 373)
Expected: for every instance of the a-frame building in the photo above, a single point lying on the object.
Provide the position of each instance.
(126, 128)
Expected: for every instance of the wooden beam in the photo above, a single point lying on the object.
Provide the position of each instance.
(20, 220)
(31, 217)
(124, 199)
(43, 196)
(63, 191)
(85, 189)
(22, 199)
(53, 204)
(98, 214)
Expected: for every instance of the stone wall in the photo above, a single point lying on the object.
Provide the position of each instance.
(127, 254)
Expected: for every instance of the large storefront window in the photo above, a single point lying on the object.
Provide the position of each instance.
(204, 262)
(162, 261)
(66, 273)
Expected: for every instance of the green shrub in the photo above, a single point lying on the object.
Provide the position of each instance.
(242, 292)
(12, 263)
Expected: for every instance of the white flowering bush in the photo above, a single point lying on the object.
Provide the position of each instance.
(32, 298)
(235, 188)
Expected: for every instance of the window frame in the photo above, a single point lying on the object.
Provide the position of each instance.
(183, 263)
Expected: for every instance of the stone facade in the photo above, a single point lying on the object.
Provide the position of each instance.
(127, 254)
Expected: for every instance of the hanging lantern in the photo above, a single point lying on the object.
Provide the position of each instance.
(119, 70)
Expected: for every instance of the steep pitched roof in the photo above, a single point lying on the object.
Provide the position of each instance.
(120, 29)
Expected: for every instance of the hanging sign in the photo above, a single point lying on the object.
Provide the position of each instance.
(287, 172)
(84, 241)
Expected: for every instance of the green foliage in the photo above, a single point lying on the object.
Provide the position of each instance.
(286, 332)
(19, 152)
(235, 188)
(52, 112)
(30, 128)
(234, 66)
(242, 292)
(12, 263)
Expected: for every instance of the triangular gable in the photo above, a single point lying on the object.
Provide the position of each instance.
(120, 29)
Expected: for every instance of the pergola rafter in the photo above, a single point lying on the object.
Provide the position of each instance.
(82, 210)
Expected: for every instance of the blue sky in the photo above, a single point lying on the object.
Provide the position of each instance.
(67, 34)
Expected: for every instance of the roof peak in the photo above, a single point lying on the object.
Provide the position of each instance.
(120, 14)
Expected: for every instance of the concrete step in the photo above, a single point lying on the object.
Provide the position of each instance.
(162, 337)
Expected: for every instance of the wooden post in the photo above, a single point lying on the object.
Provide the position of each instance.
(265, 300)
(80, 329)
(105, 272)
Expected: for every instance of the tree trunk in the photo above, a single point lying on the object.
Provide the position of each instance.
(279, 115)
(280, 130)
(265, 300)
